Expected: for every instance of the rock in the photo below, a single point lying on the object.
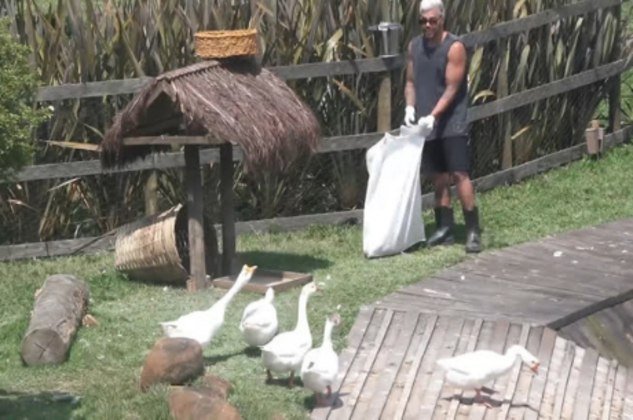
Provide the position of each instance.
(201, 403)
(175, 361)
(220, 387)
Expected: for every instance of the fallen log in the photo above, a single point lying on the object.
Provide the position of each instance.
(59, 307)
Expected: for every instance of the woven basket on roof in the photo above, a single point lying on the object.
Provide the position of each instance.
(222, 44)
(155, 248)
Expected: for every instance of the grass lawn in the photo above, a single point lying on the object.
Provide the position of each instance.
(105, 361)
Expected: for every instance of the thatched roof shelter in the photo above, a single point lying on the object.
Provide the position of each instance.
(231, 101)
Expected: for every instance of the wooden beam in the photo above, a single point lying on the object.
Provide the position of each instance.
(171, 140)
(228, 208)
(197, 261)
(91, 89)
(548, 90)
(536, 20)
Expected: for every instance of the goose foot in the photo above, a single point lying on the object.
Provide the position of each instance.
(291, 381)
(481, 399)
(329, 391)
(269, 377)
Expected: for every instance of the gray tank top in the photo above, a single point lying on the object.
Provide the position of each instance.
(429, 70)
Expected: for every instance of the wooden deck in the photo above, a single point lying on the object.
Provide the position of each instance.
(521, 294)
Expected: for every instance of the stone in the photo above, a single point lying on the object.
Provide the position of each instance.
(187, 403)
(174, 361)
(219, 386)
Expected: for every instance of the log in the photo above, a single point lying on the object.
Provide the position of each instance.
(59, 307)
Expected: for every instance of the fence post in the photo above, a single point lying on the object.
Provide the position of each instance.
(384, 91)
(503, 89)
(615, 83)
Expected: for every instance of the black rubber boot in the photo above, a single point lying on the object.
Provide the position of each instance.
(444, 221)
(473, 233)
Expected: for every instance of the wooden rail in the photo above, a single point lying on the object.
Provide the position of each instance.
(488, 182)
(336, 143)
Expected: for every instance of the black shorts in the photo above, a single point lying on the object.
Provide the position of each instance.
(449, 154)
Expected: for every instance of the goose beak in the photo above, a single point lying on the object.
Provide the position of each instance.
(534, 368)
(250, 269)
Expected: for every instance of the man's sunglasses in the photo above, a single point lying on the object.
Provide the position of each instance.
(431, 21)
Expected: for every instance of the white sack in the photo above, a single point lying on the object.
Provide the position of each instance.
(392, 220)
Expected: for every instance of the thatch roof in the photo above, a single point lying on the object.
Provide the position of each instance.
(231, 101)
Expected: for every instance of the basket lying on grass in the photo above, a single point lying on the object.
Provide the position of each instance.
(222, 44)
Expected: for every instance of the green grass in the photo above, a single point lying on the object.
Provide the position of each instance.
(105, 361)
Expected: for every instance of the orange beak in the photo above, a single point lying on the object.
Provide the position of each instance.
(534, 368)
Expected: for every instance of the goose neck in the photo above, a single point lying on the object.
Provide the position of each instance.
(327, 334)
(302, 316)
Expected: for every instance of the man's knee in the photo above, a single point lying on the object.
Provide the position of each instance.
(460, 176)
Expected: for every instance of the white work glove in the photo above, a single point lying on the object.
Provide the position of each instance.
(409, 115)
(426, 124)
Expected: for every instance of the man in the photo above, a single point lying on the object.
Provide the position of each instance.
(436, 89)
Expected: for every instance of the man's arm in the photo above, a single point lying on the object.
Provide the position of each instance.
(409, 87)
(455, 73)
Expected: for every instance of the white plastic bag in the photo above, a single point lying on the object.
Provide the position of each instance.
(392, 220)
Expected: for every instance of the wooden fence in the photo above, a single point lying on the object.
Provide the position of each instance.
(609, 71)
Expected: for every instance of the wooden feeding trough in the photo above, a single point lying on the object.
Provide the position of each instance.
(263, 279)
(215, 103)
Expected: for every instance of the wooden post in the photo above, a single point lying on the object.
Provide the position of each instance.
(151, 194)
(197, 265)
(59, 307)
(384, 91)
(503, 89)
(228, 211)
(615, 83)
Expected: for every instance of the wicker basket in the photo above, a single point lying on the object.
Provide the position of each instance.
(223, 44)
(155, 249)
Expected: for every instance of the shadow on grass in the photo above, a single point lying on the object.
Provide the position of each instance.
(284, 261)
(44, 405)
(252, 352)
(212, 360)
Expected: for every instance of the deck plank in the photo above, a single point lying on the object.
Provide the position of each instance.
(410, 367)
(386, 366)
(346, 356)
(426, 367)
(433, 386)
(627, 411)
(619, 389)
(362, 374)
(354, 374)
(513, 378)
(585, 385)
(544, 355)
(554, 374)
(609, 391)
(599, 388)
(520, 399)
(569, 400)
(563, 380)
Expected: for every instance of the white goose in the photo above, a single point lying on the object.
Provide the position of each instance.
(320, 365)
(259, 320)
(473, 370)
(286, 351)
(202, 326)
